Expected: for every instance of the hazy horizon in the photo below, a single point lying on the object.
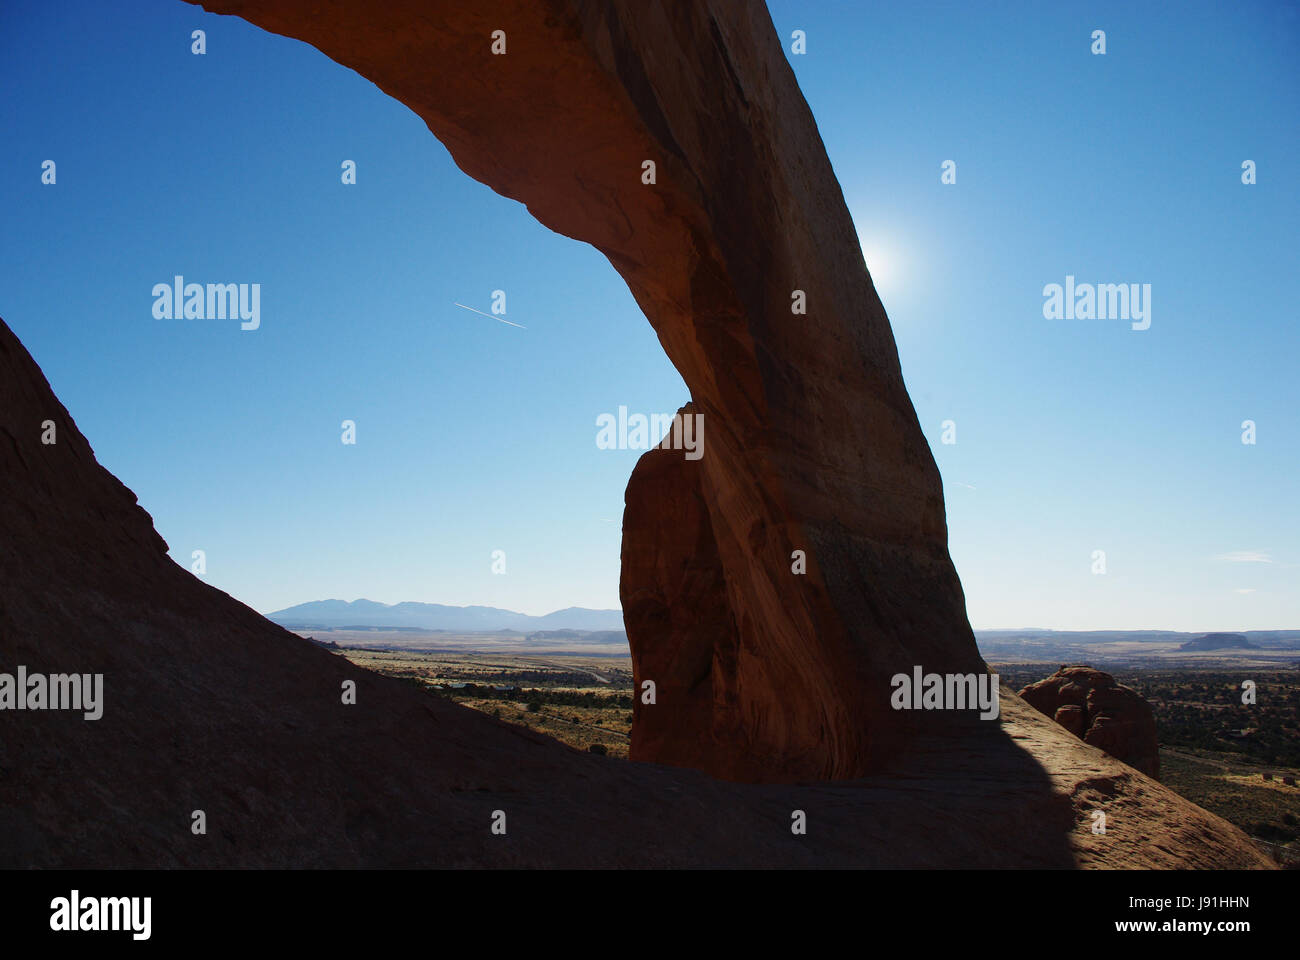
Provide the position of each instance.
(974, 626)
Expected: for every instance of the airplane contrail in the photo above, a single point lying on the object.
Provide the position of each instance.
(491, 317)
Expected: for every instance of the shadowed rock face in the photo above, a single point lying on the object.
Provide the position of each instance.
(1099, 711)
(811, 442)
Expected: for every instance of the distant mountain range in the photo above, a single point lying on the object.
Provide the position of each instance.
(363, 614)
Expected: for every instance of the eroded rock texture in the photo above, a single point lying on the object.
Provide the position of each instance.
(1099, 711)
(811, 441)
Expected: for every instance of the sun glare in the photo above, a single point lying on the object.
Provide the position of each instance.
(882, 264)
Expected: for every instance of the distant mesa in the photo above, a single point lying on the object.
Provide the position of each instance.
(581, 636)
(369, 615)
(1099, 711)
(1220, 641)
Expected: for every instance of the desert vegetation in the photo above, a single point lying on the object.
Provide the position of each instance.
(585, 702)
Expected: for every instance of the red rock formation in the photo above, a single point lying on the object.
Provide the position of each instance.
(811, 442)
(673, 587)
(811, 445)
(1099, 711)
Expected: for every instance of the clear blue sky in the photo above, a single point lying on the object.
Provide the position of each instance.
(473, 436)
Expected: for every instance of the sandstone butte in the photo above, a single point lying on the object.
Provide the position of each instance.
(765, 676)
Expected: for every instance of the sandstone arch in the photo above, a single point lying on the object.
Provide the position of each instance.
(812, 442)
(208, 704)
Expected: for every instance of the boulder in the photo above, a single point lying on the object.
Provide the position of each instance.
(1099, 711)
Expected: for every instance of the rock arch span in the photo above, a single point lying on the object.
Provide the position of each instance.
(811, 440)
(209, 705)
